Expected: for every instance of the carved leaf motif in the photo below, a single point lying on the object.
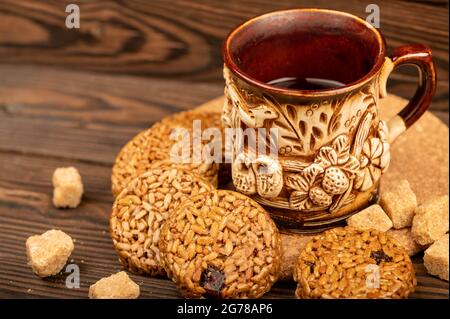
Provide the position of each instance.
(282, 124)
(362, 133)
(287, 137)
(297, 182)
(351, 166)
(302, 126)
(327, 156)
(298, 199)
(340, 144)
(304, 180)
(291, 111)
(312, 142)
(317, 132)
(311, 172)
(289, 131)
(342, 198)
(335, 123)
(349, 199)
(290, 138)
(369, 98)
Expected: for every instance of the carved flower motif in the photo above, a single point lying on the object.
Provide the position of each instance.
(324, 183)
(374, 161)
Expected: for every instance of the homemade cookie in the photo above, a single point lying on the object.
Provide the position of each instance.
(140, 210)
(221, 244)
(347, 263)
(154, 144)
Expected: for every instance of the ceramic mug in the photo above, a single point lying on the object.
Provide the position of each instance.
(317, 76)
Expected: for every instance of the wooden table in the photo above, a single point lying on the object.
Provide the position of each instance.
(74, 97)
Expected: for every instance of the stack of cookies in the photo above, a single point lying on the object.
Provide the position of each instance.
(169, 219)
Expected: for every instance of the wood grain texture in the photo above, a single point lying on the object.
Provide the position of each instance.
(49, 112)
(26, 209)
(182, 38)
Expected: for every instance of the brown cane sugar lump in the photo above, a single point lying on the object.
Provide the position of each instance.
(48, 253)
(348, 263)
(68, 187)
(436, 258)
(399, 202)
(292, 246)
(155, 144)
(405, 238)
(221, 244)
(372, 217)
(431, 221)
(140, 210)
(117, 286)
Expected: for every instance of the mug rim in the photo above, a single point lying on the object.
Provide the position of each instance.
(229, 62)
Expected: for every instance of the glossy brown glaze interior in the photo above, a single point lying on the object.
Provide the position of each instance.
(304, 43)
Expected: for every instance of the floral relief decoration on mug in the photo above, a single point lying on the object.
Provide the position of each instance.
(339, 146)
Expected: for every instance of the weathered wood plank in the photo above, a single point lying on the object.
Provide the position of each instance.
(179, 38)
(26, 209)
(94, 253)
(52, 117)
(85, 116)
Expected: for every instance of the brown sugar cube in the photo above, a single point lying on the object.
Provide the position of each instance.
(68, 187)
(48, 253)
(373, 217)
(436, 258)
(117, 286)
(431, 221)
(405, 238)
(399, 203)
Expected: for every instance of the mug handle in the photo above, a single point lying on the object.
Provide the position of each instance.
(420, 56)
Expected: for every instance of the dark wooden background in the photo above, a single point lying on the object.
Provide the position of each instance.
(74, 97)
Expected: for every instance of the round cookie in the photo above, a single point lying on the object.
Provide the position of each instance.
(347, 263)
(154, 144)
(140, 210)
(221, 244)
